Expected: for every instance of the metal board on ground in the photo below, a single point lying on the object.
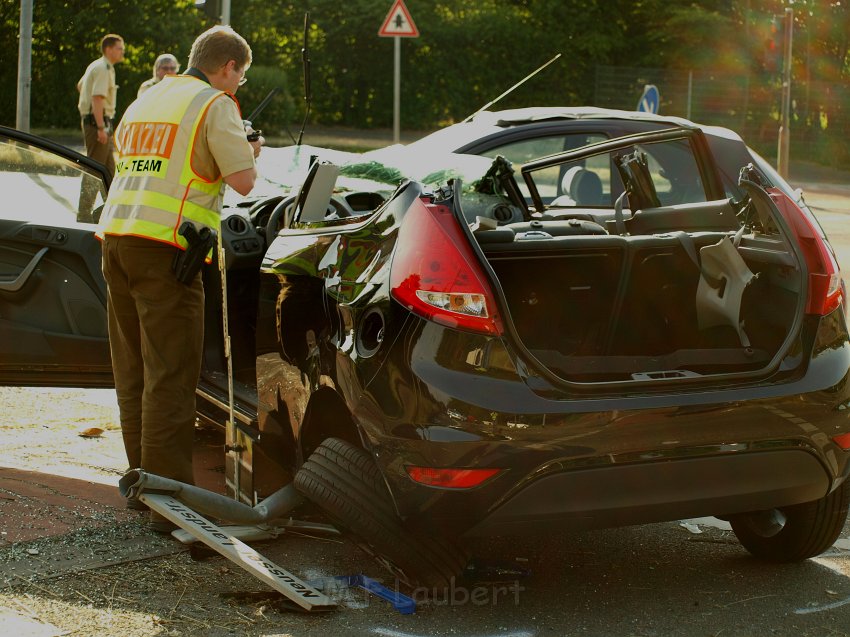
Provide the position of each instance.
(238, 552)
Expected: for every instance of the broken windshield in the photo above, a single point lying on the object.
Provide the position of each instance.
(281, 170)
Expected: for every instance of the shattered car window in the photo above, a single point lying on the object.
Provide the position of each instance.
(433, 169)
(281, 170)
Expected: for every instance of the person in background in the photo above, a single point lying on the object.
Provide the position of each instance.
(98, 96)
(166, 64)
(178, 144)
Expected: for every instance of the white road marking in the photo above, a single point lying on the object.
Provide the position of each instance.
(842, 543)
(824, 561)
(818, 609)
(835, 568)
(388, 632)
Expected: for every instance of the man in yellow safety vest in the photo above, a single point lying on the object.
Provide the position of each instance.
(178, 144)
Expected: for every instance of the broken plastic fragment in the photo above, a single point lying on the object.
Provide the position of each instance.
(692, 528)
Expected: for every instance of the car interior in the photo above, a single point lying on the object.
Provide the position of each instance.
(671, 282)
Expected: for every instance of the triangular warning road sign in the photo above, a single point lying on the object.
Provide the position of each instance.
(398, 23)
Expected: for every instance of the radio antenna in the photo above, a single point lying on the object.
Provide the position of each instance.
(511, 89)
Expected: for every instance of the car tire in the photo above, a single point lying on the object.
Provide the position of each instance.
(808, 529)
(346, 483)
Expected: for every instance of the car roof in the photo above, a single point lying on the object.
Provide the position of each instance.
(487, 123)
(515, 116)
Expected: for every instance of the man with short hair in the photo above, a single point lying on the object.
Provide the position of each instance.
(178, 145)
(166, 64)
(98, 93)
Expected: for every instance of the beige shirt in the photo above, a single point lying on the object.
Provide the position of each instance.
(99, 79)
(146, 85)
(222, 147)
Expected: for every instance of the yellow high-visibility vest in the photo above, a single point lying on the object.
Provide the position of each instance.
(155, 187)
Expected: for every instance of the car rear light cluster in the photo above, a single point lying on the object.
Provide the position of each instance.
(436, 275)
(826, 289)
(843, 441)
(450, 478)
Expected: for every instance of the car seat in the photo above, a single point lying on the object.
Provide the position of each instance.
(581, 187)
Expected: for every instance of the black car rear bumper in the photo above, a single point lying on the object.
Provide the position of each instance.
(584, 462)
(657, 491)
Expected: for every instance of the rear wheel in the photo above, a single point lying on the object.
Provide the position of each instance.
(347, 484)
(794, 533)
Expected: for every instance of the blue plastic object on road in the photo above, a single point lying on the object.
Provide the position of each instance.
(401, 602)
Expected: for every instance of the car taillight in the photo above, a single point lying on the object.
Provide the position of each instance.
(826, 289)
(436, 274)
(843, 441)
(450, 478)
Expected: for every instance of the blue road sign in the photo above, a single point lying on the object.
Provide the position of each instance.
(650, 99)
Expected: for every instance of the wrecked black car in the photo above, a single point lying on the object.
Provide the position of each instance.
(602, 337)
(486, 366)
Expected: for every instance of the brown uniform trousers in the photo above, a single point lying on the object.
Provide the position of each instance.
(99, 152)
(156, 329)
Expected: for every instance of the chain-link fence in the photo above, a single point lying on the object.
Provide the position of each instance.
(748, 104)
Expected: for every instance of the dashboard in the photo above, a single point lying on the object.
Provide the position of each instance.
(248, 226)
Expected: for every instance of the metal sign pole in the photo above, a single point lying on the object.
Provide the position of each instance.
(397, 91)
(785, 125)
(397, 24)
(22, 118)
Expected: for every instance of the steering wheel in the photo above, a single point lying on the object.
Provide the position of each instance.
(340, 209)
(260, 208)
(273, 224)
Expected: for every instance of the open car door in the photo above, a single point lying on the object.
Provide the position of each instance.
(53, 329)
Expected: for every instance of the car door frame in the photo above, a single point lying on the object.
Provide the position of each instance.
(73, 359)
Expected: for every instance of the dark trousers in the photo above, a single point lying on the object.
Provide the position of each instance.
(99, 152)
(156, 328)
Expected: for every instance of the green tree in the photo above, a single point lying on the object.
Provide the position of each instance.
(66, 37)
(469, 52)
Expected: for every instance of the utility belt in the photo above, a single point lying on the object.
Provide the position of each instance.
(89, 120)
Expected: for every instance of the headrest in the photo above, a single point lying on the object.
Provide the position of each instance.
(583, 186)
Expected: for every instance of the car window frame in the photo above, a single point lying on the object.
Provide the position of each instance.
(695, 136)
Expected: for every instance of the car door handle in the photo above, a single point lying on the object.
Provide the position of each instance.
(8, 284)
